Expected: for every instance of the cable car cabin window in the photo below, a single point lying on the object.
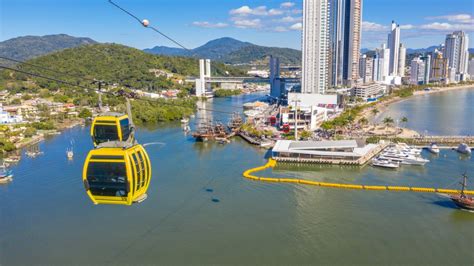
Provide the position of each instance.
(136, 162)
(142, 164)
(107, 179)
(125, 126)
(103, 133)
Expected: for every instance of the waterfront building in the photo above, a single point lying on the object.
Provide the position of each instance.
(331, 102)
(345, 38)
(383, 55)
(401, 60)
(309, 117)
(393, 43)
(202, 85)
(349, 150)
(426, 76)
(456, 51)
(7, 118)
(277, 86)
(471, 68)
(366, 65)
(315, 46)
(369, 92)
(417, 71)
(439, 67)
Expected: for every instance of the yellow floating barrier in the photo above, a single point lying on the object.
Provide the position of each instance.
(375, 187)
(308, 182)
(423, 189)
(398, 188)
(272, 163)
(288, 180)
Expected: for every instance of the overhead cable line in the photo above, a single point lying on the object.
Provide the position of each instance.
(93, 89)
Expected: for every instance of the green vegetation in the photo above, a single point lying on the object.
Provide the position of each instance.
(6, 146)
(388, 121)
(345, 118)
(150, 112)
(226, 93)
(85, 113)
(305, 134)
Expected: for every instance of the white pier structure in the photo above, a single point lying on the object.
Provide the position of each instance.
(203, 88)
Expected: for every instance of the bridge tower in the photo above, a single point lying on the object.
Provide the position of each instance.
(202, 83)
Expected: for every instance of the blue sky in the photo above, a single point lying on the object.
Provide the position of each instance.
(194, 22)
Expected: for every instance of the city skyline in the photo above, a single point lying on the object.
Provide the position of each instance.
(270, 23)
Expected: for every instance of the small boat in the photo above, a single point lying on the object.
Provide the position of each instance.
(433, 148)
(464, 149)
(12, 159)
(6, 176)
(184, 120)
(70, 154)
(462, 200)
(385, 163)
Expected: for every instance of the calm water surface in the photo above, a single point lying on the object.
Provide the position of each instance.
(201, 210)
(445, 113)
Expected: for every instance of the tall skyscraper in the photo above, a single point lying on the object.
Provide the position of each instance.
(345, 38)
(275, 82)
(315, 46)
(439, 67)
(393, 44)
(426, 77)
(417, 71)
(456, 51)
(402, 54)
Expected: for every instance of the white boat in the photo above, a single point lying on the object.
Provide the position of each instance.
(6, 176)
(404, 159)
(70, 154)
(385, 163)
(464, 149)
(184, 120)
(433, 148)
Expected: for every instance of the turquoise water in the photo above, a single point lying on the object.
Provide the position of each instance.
(201, 211)
(445, 113)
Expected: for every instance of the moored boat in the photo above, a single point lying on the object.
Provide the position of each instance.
(433, 148)
(462, 200)
(385, 163)
(464, 149)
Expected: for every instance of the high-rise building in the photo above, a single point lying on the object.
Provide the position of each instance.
(456, 51)
(426, 76)
(401, 60)
(377, 64)
(471, 68)
(393, 43)
(439, 67)
(275, 81)
(315, 46)
(366, 67)
(345, 38)
(417, 71)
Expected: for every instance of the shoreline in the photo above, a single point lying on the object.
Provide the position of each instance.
(384, 105)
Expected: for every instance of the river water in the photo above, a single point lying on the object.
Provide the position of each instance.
(201, 211)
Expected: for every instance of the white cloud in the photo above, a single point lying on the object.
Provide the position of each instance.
(459, 18)
(444, 26)
(372, 26)
(297, 26)
(407, 27)
(287, 5)
(246, 10)
(275, 12)
(248, 23)
(289, 19)
(206, 24)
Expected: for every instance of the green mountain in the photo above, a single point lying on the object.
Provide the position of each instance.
(118, 64)
(232, 51)
(27, 47)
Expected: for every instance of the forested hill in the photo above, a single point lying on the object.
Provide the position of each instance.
(27, 47)
(119, 64)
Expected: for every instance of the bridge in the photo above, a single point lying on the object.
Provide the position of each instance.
(203, 82)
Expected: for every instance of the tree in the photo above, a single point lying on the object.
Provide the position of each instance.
(375, 111)
(404, 120)
(85, 113)
(29, 132)
(388, 121)
(306, 134)
(363, 121)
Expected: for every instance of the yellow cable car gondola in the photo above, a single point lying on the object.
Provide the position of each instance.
(117, 175)
(111, 127)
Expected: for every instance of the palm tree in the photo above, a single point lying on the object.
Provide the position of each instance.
(388, 121)
(404, 120)
(375, 111)
(363, 121)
